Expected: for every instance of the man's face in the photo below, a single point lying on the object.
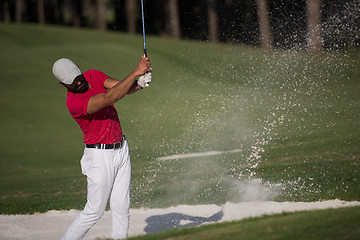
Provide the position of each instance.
(80, 85)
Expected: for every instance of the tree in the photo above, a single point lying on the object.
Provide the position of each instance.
(213, 21)
(40, 11)
(100, 17)
(130, 16)
(264, 23)
(173, 22)
(314, 25)
(77, 12)
(19, 8)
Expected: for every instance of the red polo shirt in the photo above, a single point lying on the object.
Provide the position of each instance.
(102, 126)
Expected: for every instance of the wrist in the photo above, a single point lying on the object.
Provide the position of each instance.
(138, 87)
(135, 74)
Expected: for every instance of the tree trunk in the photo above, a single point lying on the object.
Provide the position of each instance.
(2, 11)
(314, 25)
(130, 16)
(19, 6)
(40, 12)
(173, 21)
(77, 8)
(213, 21)
(100, 18)
(264, 23)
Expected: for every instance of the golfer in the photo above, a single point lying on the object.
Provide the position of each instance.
(106, 159)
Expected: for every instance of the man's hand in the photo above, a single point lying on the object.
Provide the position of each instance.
(145, 80)
(118, 89)
(143, 66)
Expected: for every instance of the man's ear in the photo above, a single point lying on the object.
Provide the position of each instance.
(62, 84)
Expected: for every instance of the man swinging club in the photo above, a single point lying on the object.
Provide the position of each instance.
(106, 159)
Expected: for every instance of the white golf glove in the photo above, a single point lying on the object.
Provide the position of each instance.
(145, 80)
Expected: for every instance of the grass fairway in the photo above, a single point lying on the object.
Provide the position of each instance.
(332, 224)
(293, 117)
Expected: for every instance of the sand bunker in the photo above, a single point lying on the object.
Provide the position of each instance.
(53, 224)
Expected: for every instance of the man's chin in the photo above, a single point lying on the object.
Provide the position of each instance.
(82, 90)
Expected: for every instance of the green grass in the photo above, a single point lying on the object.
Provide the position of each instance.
(299, 113)
(342, 223)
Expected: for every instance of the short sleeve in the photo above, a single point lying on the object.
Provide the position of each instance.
(98, 75)
(77, 105)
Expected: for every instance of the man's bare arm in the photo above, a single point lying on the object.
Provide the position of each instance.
(117, 89)
(111, 82)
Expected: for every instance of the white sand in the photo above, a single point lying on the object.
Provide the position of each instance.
(198, 154)
(53, 224)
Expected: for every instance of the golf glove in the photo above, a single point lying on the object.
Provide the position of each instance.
(145, 80)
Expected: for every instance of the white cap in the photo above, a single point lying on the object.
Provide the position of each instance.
(65, 70)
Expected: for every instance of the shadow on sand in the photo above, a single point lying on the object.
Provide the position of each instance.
(160, 223)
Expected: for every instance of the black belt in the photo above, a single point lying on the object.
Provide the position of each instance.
(106, 146)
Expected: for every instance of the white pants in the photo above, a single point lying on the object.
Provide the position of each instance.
(108, 174)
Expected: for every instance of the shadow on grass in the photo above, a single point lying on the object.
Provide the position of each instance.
(160, 223)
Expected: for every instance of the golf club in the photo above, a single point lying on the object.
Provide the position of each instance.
(143, 26)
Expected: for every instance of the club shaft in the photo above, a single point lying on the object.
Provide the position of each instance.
(143, 26)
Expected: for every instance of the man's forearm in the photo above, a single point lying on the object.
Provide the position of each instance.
(113, 95)
(123, 87)
(134, 88)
